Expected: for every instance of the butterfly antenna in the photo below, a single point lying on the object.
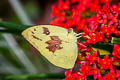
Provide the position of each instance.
(78, 37)
(79, 34)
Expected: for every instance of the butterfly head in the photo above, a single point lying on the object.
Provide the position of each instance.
(71, 35)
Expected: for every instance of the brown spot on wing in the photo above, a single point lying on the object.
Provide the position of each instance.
(55, 38)
(34, 29)
(46, 31)
(32, 32)
(36, 38)
(54, 44)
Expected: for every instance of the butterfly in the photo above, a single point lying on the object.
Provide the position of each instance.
(58, 45)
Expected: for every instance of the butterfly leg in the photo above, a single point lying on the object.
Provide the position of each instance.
(82, 44)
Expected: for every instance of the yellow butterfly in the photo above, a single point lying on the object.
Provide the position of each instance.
(58, 45)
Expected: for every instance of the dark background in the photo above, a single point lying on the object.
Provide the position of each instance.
(17, 56)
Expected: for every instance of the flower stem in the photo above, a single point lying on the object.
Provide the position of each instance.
(37, 76)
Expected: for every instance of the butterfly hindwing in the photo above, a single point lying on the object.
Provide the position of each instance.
(56, 44)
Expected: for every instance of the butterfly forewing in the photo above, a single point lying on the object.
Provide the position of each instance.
(54, 43)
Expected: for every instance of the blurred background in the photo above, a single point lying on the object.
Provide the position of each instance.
(17, 56)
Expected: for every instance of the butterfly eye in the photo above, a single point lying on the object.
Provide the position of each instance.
(70, 30)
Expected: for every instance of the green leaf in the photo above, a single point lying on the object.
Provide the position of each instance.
(12, 27)
(106, 47)
(115, 40)
(102, 51)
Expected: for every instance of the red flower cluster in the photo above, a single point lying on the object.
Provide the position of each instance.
(74, 13)
(98, 22)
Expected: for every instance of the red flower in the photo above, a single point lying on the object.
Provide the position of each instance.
(116, 51)
(69, 23)
(100, 77)
(95, 37)
(57, 22)
(94, 5)
(93, 58)
(105, 63)
(104, 29)
(84, 70)
(98, 22)
(106, 1)
(64, 5)
(94, 71)
(118, 74)
(111, 75)
(55, 11)
(112, 29)
(104, 20)
(72, 76)
(92, 39)
(74, 1)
